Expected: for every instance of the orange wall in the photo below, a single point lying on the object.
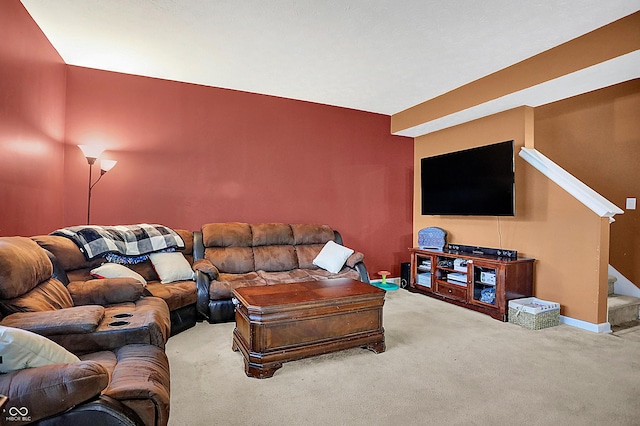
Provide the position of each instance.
(189, 155)
(32, 104)
(564, 237)
(570, 242)
(604, 128)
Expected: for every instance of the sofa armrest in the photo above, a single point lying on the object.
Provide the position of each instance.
(75, 320)
(202, 301)
(362, 271)
(142, 374)
(356, 261)
(48, 390)
(355, 258)
(205, 273)
(198, 246)
(206, 267)
(105, 291)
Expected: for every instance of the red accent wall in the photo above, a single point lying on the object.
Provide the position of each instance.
(32, 107)
(190, 155)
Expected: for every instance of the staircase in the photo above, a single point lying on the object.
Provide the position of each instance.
(623, 310)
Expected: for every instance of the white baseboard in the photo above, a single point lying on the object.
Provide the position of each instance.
(604, 327)
(622, 285)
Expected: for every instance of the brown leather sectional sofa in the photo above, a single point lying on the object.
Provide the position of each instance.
(118, 327)
(122, 374)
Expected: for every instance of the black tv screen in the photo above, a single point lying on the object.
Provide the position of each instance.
(477, 182)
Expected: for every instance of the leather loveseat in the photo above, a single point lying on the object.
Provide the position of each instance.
(233, 255)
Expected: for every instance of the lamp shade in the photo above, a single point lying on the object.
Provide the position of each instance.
(91, 151)
(106, 165)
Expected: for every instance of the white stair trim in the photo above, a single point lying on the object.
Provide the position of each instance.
(622, 285)
(587, 196)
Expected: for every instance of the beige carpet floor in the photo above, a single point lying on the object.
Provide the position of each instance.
(444, 365)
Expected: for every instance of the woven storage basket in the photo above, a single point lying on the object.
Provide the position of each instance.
(533, 313)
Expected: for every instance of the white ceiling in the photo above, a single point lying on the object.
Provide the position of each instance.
(374, 55)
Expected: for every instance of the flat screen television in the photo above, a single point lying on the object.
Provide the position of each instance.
(474, 182)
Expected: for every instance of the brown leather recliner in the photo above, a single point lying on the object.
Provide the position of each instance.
(180, 296)
(129, 386)
(102, 314)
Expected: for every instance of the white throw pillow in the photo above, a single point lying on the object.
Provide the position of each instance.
(115, 270)
(332, 257)
(171, 266)
(23, 349)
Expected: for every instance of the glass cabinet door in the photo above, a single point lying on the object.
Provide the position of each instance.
(423, 271)
(485, 281)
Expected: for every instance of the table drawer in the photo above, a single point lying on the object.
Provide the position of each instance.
(452, 291)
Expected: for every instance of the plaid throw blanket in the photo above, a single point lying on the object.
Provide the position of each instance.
(127, 240)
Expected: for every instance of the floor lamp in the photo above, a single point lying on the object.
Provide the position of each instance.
(91, 153)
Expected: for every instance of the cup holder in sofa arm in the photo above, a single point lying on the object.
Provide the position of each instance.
(118, 323)
(123, 315)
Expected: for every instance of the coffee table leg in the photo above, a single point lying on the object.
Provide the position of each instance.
(259, 371)
(377, 347)
(253, 369)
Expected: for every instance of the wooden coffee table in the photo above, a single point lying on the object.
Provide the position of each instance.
(284, 322)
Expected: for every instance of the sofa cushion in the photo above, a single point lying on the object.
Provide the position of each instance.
(306, 253)
(275, 258)
(233, 260)
(48, 296)
(114, 270)
(223, 287)
(311, 234)
(146, 270)
(178, 294)
(66, 251)
(23, 265)
(24, 349)
(171, 267)
(293, 276)
(268, 234)
(322, 274)
(232, 234)
(332, 257)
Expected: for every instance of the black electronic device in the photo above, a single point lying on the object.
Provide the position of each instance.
(509, 254)
(405, 274)
(473, 182)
